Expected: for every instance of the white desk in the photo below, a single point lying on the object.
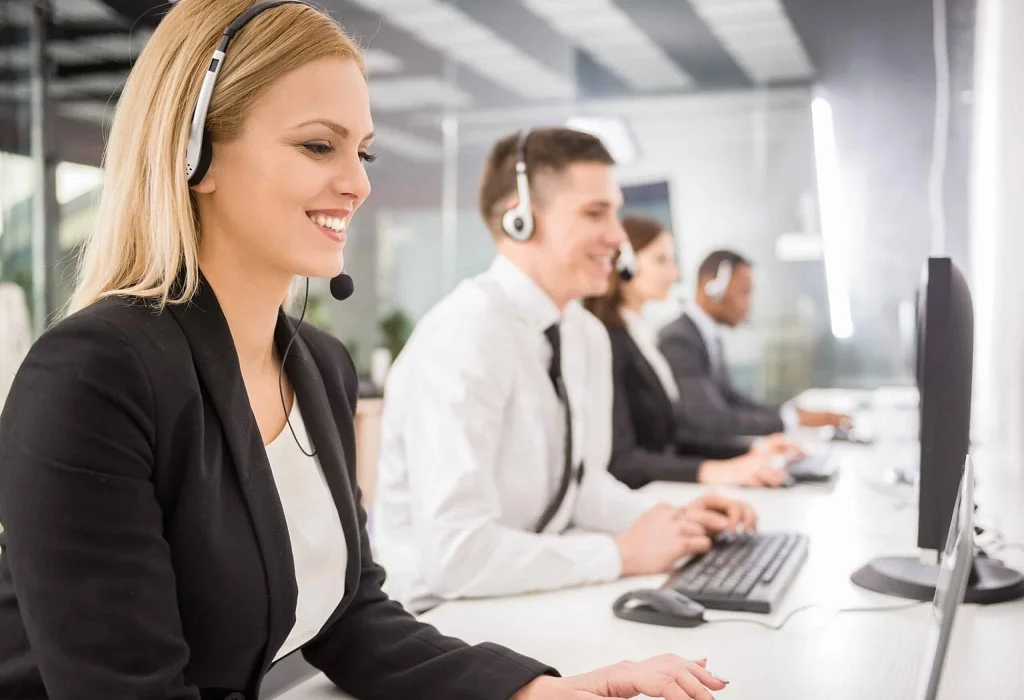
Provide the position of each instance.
(853, 655)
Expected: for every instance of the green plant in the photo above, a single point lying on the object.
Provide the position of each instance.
(396, 327)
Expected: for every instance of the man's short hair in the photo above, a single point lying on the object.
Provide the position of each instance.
(709, 268)
(550, 150)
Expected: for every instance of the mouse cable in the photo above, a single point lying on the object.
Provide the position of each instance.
(803, 608)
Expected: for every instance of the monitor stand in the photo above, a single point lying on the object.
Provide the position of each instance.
(908, 577)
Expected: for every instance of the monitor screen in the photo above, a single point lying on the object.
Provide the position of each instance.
(650, 199)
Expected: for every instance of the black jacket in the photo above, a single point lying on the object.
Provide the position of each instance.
(145, 551)
(711, 407)
(645, 421)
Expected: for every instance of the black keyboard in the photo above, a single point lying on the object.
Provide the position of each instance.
(820, 466)
(747, 573)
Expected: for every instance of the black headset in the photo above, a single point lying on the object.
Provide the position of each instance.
(517, 222)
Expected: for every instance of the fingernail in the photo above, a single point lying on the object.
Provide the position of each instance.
(719, 678)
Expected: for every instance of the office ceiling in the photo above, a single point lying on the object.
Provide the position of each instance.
(428, 56)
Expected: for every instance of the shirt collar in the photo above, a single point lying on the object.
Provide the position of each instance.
(705, 324)
(533, 304)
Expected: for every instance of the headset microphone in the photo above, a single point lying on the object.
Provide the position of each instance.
(342, 287)
(625, 264)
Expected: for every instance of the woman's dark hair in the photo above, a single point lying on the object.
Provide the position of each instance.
(641, 231)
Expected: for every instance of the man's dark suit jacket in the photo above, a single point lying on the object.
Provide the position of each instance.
(645, 423)
(711, 406)
(145, 550)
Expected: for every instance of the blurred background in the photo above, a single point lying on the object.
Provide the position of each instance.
(801, 133)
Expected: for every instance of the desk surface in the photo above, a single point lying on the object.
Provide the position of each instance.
(818, 654)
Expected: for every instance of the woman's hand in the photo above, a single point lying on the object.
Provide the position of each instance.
(755, 470)
(669, 677)
(716, 514)
(778, 444)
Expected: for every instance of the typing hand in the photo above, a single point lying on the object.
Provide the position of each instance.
(658, 539)
(669, 677)
(720, 514)
(822, 419)
(753, 469)
(778, 444)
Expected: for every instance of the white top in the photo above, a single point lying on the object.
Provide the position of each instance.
(314, 528)
(646, 338)
(708, 329)
(471, 449)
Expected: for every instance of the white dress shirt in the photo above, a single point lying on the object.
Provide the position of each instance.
(314, 529)
(708, 329)
(471, 449)
(646, 338)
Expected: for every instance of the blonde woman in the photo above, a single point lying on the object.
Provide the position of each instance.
(177, 457)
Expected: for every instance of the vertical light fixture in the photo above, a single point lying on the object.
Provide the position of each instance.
(835, 231)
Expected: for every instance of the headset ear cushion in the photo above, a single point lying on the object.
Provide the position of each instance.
(516, 225)
(205, 156)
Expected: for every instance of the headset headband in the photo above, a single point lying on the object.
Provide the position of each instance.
(199, 152)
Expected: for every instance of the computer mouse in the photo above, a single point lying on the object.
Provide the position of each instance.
(659, 606)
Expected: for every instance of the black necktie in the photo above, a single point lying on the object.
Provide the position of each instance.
(555, 373)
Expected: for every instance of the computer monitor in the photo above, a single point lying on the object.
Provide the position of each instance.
(954, 572)
(945, 364)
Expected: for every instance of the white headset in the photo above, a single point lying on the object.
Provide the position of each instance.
(518, 221)
(716, 286)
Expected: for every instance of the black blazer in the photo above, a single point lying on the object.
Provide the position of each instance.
(643, 421)
(711, 406)
(145, 551)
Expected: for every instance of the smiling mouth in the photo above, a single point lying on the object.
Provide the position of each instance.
(333, 226)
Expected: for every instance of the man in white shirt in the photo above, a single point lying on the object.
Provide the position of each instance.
(496, 430)
(711, 406)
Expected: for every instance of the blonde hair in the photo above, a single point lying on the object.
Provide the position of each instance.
(147, 231)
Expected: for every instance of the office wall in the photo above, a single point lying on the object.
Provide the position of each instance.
(740, 166)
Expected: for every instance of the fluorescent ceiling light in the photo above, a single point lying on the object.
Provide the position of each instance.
(450, 31)
(112, 46)
(406, 144)
(759, 36)
(835, 218)
(89, 110)
(380, 62)
(614, 134)
(612, 39)
(414, 92)
(83, 10)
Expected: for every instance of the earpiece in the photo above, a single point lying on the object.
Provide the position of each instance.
(517, 222)
(715, 287)
(625, 264)
(199, 153)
